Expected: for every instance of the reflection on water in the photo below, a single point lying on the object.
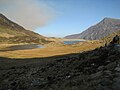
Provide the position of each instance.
(72, 42)
(23, 47)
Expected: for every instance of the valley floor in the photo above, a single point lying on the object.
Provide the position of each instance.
(51, 49)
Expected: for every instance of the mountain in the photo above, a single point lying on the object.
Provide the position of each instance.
(11, 32)
(103, 28)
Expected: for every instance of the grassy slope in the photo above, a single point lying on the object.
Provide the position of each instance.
(11, 32)
(109, 38)
(8, 35)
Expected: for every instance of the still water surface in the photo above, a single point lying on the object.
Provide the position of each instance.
(23, 47)
(72, 42)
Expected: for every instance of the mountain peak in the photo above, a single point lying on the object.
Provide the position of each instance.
(106, 18)
(110, 19)
(102, 29)
(2, 16)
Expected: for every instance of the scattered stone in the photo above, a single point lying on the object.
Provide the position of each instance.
(38, 82)
(92, 64)
(118, 65)
(110, 66)
(108, 61)
(116, 84)
(68, 76)
(95, 75)
(100, 67)
(13, 83)
(117, 69)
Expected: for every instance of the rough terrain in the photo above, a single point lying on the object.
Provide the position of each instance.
(98, 69)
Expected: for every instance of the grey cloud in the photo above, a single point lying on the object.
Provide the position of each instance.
(28, 13)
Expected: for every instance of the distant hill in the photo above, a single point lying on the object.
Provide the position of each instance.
(11, 32)
(102, 29)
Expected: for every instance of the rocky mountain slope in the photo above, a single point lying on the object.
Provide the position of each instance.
(104, 28)
(11, 32)
(98, 69)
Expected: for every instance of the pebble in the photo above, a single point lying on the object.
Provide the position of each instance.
(117, 69)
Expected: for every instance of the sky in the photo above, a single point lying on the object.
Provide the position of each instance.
(58, 18)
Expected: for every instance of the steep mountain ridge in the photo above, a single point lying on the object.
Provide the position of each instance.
(103, 28)
(12, 32)
(5, 22)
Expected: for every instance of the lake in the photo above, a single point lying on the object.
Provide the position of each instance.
(72, 42)
(27, 46)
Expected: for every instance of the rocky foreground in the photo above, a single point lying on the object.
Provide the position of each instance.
(98, 69)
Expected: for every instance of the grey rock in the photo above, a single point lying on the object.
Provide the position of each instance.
(100, 67)
(98, 74)
(116, 84)
(105, 27)
(117, 69)
(111, 66)
(38, 82)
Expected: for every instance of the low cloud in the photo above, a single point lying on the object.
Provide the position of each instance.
(29, 13)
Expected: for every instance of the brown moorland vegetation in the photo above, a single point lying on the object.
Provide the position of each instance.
(50, 50)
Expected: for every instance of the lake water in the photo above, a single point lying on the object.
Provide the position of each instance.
(72, 42)
(23, 47)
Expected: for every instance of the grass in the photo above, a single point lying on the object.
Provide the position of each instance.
(50, 51)
(109, 38)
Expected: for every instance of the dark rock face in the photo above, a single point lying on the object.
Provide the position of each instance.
(100, 30)
(93, 70)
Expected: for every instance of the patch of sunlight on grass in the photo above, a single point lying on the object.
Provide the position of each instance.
(50, 51)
